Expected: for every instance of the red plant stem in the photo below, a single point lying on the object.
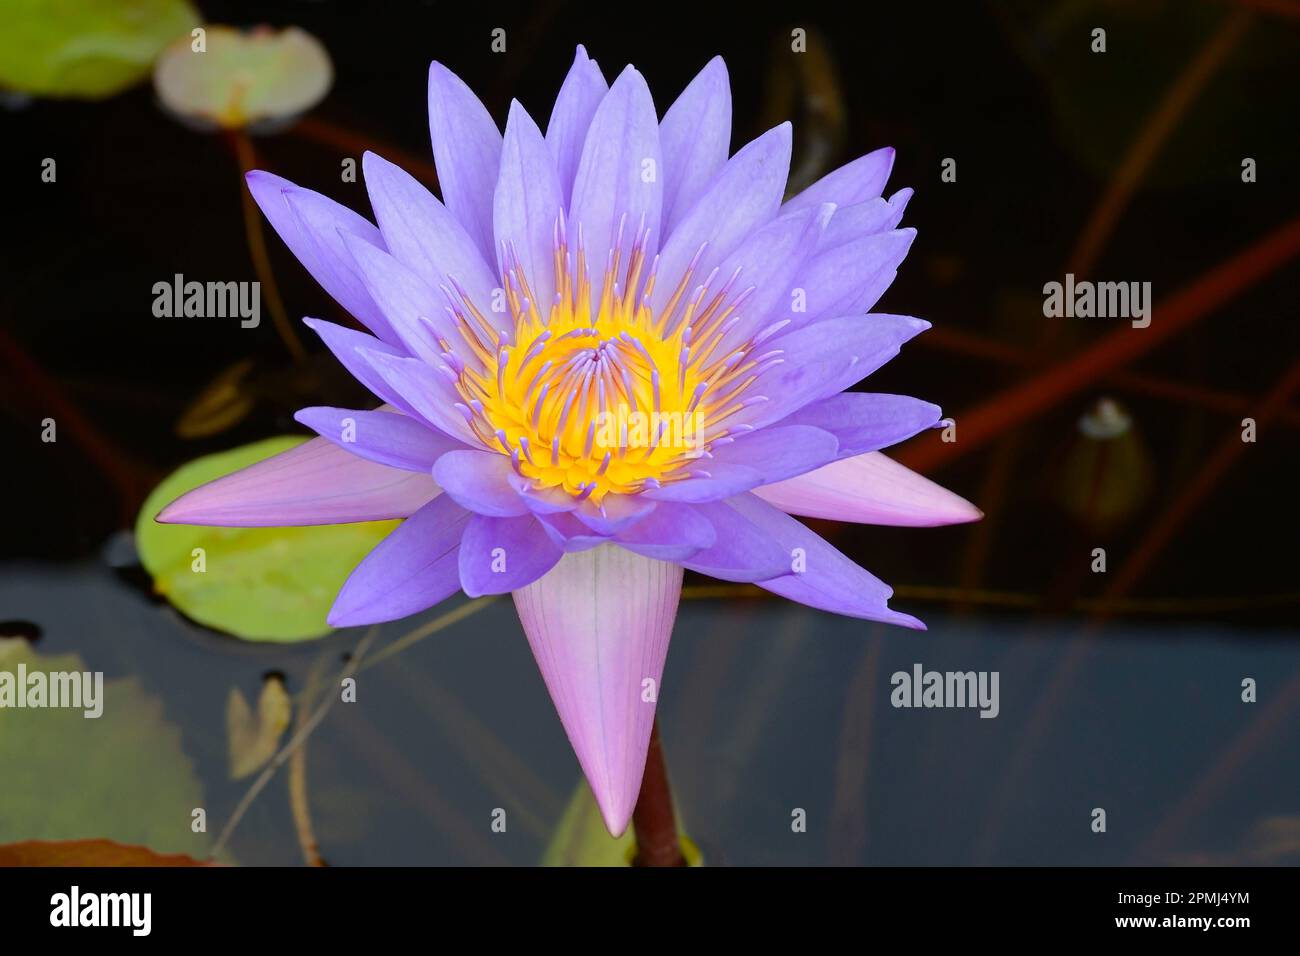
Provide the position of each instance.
(1211, 399)
(349, 143)
(247, 157)
(1042, 392)
(1155, 132)
(653, 820)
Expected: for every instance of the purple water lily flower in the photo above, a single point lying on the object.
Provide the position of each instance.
(609, 353)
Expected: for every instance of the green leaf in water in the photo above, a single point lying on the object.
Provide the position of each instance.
(121, 776)
(581, 839)
(261, 584)
(86, 48)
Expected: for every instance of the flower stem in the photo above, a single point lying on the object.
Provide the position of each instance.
(653, 821)
(257, 249)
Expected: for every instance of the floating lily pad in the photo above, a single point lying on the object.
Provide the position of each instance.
(581, 839)
(261, 584)
(121, 776)
(86, 48)
(239, 78)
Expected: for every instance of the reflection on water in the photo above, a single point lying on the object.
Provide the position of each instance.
(766, 709)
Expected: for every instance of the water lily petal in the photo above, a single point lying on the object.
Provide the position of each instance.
(615, 513)
(864, 219)
(780, 451)
(745, 195)
(412, 569)
(427, 390)
(311, 226)
(620, 175)
(672, 532)
(411, 306)
(854, 182)
(423, 235)
(851, 277)
(466, 153)
(712, 481)
(866, 421)
(527, 205)
(314, 483)
(823, 577)
(824, 358)
(480, 481)
(696, 137)
(870, 489)
(768, 263)
(599, 623)
(742, 550)
(502, 554)
(388, 438)
(583, 89)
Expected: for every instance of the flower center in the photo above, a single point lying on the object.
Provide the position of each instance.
(611, 399)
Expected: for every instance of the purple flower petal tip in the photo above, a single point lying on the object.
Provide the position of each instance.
(599, 623)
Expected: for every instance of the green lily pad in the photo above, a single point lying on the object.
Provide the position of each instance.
(261, 584)
(86, 48)
(580, 838)
(121, 776)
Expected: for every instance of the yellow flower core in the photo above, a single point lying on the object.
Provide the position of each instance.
(611, 400)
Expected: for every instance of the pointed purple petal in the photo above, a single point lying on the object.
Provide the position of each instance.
(742, 550)
(412, 569)
(310, 225)
(696, 137)
(410, 304)
(315, 483)
(527, 205)
(423, 235)
(865, 421)
(384, 437)
(480, 481)
(672, 532)
(620, 175)
(824, 358)
(852, 183)
(615, 513)
(851, 277)
(580, 94)
(722, 481)
(425, 390)
(864, 219)
(351, 347)
(599, 623)
(504, 554)
(870, 489)
(770, 260)
(780, 451)
(822, 577)
(466, 152)
(743, 197)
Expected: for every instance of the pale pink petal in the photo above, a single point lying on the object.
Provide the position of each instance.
(314, 483)
(869, 489)
(599, 624)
